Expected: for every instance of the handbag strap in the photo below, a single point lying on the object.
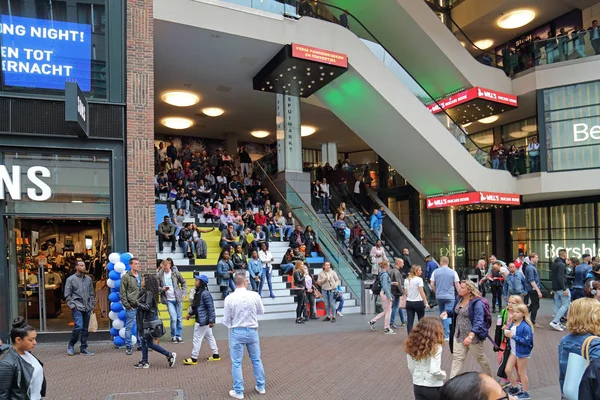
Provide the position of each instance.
(585, 349)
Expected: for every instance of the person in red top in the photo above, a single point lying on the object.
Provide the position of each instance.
(520, 260)
(261, 220)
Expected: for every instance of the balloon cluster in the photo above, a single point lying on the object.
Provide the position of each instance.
(117, 267)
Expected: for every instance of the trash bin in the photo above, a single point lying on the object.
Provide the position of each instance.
(367, 301)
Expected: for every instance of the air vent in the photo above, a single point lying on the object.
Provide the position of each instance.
(225, 89)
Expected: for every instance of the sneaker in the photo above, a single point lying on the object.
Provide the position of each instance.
(388, 331)
(339, 314)
(393, 326)
(260, 391)
(86, 352)
(403, 324)
(505, 383)
(446, 339)
(272, 296)
(523, 395)
(313, 317)
(513, 391)
(326, 319)
(141, 364)
(372, 325)
(174, 340)
(333, 319)
(562, 325)
(128, 352)
(180, 340)
(213, 358)
(556, 326)
(70, 350)
(300, 320)
(235, 395)
(190, 361)
(172, 359)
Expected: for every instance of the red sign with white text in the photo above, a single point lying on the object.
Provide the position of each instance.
(463, 199)
(472, 94)
(319, 55)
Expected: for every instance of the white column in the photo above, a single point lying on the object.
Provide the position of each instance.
(289, 140)
(329, 154)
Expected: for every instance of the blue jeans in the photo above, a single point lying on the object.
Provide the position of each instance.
(185, 204)
(238, 339)
(325, 204)
(287, 267)
(265, 274)
(229, 285)
(495, 163)
(150, 344)
(340, 306)
(378, 230)
(534, 163)
(81, 322)
(395, 304)
(563, 302)
(288, 230)
(329, 300)
(129, 322)
(188, 247)
(174, 309)
(446, 305)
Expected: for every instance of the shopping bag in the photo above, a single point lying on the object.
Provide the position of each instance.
(576, 366)
(93, 325)
(402, 303)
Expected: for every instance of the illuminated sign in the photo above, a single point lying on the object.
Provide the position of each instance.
(76, 109)
(472, 94)
(551, 251)
(12, 184)
(40, 53)
(583, 132)
(474, 198)
(319, 55)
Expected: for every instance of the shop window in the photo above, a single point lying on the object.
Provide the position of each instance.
(92, 14)
(479, 236)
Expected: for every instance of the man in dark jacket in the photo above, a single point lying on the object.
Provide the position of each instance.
(297, 238)
(130, 292)
(397, 291)
(79, 293)
(203, 309)
(562, 295)
(407, 262)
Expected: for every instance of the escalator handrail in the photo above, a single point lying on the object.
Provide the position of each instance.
(469, 39)
(320, 3)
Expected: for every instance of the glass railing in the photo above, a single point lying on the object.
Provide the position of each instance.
(331, 248)
(281, 7)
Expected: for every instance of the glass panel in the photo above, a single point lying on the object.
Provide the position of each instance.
(281, 7)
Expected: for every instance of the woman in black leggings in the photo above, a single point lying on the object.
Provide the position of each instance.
(416, 300)
(300, 289)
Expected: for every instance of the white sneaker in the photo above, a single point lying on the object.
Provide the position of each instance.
(389, 332)
(233, 394)
(259, 391)
(556, 326)
(339, 314)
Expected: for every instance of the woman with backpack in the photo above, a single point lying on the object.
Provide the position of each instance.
(382, 287)
(469, 328)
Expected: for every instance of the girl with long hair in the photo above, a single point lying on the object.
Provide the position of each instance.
(506, 315)
(423, 349)
(416, 300)
(300, 290)
(520, 333)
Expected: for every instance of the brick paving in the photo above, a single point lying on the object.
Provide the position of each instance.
(352, 363)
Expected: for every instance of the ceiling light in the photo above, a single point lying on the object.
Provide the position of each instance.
(259, 134)
(306, 130)
(180, 98)
(518, 134)
(484, 43)
(213, 111)
(516, 19)
(529, 128)
(489, 120)
(467, 124)
(177, 122)
(77, 201)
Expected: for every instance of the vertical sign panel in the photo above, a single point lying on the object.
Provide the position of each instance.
(293, 138)
(280, 134)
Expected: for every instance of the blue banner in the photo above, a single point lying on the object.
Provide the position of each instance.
(45, 54)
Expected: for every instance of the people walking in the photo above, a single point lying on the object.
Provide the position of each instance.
(300, 291)
(532, 285)
(240, 315)
(129, 294)
(202, 308)
(397, 282)
(581, 273)
(562, 295)
(173, 292)
(385, 296)
(329, 281)
(520, 333)
(21, 373)
(443, 282)
(416, 300)
(266, 258)
(79, 293)
(514, 283)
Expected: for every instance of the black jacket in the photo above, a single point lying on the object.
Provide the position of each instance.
(396, 276)
(146, 311)
(299, 281)
(558, 273)
(203, 308)
(15, 376)
(589, 388)
(294, 239)
(239, 260)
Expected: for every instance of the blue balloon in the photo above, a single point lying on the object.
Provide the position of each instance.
(119, 341)
(110, 266)
(114, 275)
(114, 332)
(114, 297)
(118, 285)
(116, 307)
(116, 289)
(122, 315)
(126, 257)
(127, 267)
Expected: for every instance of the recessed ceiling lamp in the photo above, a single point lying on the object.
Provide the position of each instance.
(259, 134)
(213, 111)
(529, 128)
(518, 134)
(489, 120)
(516, 19)
(180, 98)
(484, 43)
(177, 122)
(306, 130)
(77, 201)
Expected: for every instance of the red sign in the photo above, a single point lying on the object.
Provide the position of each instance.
(319, 55)
(474, 198)
(472, 94)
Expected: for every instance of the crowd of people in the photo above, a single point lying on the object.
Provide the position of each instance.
(516, 159)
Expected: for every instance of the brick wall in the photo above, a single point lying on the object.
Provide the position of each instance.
(140, 131)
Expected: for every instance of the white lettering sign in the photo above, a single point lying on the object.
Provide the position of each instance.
(80, 108)
(582, 132)
(551, 251)
(10, 182)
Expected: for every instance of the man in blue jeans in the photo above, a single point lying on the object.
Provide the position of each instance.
(240, 315)
(173, 292)
(562, 295)
(443, 282)
(397, 292)
(79, 293)
(129, 293)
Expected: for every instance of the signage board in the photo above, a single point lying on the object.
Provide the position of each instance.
(472, 94)
(463, 199)
(319, 55)
(35, 187)
(76, 110)
(45, 54)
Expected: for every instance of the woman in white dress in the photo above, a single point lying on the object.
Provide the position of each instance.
(377, 256)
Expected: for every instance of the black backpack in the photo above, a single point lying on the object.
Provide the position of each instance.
(376, 288)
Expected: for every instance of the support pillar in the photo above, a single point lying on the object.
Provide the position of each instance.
(329, 154)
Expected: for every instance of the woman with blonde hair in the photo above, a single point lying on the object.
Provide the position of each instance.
(468, 330)
(504, 344)
(423, 349)
(416, 300)
(583, 322)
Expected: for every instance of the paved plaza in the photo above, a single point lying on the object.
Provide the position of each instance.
(345, 360)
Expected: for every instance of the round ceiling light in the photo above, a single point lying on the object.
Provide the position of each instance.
(177, 122)
(518, 134)
(516, 19)
(180, 98)
(213, 111)
(306, 130)
(489, 120)
(484, 43)
(529, 128)
(259, 134)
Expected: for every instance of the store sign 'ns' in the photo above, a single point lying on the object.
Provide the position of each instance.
(35, 188)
